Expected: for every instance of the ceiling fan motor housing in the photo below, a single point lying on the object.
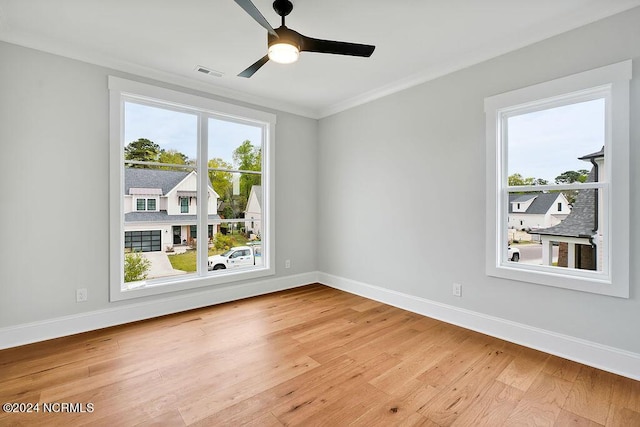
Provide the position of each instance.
(288, 36)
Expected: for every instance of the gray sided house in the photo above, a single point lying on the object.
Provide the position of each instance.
(160, 209)
(579, 236)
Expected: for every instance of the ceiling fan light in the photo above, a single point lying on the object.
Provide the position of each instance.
(283, 53)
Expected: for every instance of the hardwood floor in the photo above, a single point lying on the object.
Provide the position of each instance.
(309, 356)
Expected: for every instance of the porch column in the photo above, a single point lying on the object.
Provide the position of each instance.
(547, 251)
(571, 255)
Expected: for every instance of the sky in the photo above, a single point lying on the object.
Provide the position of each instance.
(546, 143)
(178, 131)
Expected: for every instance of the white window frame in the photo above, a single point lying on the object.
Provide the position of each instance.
(612, 83)
(121, 90)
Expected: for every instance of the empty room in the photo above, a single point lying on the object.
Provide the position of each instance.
(336, 213)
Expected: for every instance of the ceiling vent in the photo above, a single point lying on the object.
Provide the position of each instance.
(208, 71)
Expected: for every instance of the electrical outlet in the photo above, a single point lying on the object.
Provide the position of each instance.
(457, 290)
(287, 263)
(81, 295)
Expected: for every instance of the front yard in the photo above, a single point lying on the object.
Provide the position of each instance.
(187, 261)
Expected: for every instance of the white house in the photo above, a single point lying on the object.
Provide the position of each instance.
(537, 210)
(253, 212)
(160, 209)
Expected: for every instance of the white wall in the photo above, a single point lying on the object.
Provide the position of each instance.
(425, 148)
(54, 140)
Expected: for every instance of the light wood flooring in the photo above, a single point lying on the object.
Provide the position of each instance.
(311, 356)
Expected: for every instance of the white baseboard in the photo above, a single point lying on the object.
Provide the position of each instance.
(28, 333)
(599, 356)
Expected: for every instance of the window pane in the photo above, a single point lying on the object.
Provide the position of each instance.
(237, 239)
(545, 147)
(153, 134)
(158, 243)
(140, 204)
(572, 237)
(234, 145)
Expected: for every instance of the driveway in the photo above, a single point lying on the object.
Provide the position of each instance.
(160, 265)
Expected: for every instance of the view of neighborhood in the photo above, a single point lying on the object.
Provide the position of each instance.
(562, 227)
(548, 229)
(160, 200)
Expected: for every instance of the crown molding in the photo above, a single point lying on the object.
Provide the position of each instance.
(99, 59)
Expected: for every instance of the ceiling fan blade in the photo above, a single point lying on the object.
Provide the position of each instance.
(254, 67)
(310, 44)
(253, 11)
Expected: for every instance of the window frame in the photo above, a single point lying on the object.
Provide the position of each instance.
(121, 90)
(611, 82)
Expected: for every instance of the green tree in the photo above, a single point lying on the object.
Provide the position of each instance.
(173, 157)
(221, 180)
(247, 157)
(569, 177)
(136, 267)
(517, 179)
(143, 150)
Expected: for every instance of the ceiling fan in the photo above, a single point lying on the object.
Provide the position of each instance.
(285, 44)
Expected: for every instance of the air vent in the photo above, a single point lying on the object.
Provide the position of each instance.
(208, 71)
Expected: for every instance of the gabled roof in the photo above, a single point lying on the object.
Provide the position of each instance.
(165, 180)
(541, 205)
(581, 221)
(152, 178)
(521, 198)
(257, 189)
(595, 155)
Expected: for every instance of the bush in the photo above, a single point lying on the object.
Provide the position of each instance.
(136, 267)
(222, 242)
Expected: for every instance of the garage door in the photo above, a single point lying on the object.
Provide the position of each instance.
(143, 241)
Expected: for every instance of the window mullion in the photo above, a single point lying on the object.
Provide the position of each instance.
(202, 199)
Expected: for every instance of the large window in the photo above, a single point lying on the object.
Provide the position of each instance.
(202, 161)
(558, 182)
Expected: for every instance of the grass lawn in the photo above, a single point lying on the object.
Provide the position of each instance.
(187, 260)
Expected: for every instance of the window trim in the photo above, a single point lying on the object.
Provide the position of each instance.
(614, 80)
(119, 89)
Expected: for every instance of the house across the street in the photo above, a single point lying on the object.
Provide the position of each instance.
(537, 210)
(253, 213)
(160, 209)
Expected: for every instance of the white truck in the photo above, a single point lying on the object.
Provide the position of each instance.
(236, 257)
(513, 254)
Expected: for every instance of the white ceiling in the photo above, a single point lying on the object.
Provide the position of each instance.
(416, 40)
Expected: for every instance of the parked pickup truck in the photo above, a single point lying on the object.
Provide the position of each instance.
(513, 254)
(239, 256)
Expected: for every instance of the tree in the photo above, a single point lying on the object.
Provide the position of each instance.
(173, 157)
(142, 150)
(247, 157)
(569, 177)
(517, 179)
(221, 180)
